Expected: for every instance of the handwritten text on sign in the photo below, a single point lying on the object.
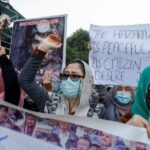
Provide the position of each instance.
(119, 53)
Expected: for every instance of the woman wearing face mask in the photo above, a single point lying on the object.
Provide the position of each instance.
(117, 102)
(75, 86)
(140, 114)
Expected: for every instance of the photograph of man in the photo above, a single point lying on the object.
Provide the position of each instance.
(29, 124)
(105, 141)
(83, 143)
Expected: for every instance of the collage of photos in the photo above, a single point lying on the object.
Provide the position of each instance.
(63, 134)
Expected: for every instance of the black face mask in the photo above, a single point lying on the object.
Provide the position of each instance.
(148, 97)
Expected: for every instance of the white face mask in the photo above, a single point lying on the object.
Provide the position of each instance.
(71, 89)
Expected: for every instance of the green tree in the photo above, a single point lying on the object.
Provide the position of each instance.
(77, 46)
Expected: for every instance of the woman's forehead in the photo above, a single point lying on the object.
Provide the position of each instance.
(124, 87)
(75, 67)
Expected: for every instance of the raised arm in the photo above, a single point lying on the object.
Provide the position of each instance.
(27, 76)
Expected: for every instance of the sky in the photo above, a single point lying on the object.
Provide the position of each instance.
(82, 13)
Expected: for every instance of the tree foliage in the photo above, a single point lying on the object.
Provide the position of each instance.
(77, 46)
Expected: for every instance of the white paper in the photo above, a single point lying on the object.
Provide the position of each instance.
(119, 53)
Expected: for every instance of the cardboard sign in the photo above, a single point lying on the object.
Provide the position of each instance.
(28, 33)
(119, 53)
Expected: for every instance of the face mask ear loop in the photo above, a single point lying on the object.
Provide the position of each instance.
(76, 98)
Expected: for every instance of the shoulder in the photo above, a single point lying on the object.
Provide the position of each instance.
(146, 70)
(125, 118)
(144, 77)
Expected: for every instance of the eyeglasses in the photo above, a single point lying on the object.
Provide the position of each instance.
(73, 77)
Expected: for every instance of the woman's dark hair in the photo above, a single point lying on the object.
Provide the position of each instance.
(80, 63)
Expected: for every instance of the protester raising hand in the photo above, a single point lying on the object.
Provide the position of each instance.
(75, 83)
(52, 41)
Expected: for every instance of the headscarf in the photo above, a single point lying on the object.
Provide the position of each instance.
(86, 91)
(140, 106)
(113, 109)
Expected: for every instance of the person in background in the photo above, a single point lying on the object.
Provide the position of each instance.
(11, 85)
(139, 115)
(117, 102)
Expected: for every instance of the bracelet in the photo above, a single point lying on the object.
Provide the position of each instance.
(38, 52)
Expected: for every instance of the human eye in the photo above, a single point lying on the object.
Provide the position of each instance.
(119, 88)
(127, 88)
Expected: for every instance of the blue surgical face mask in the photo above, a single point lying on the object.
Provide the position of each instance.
(123, 97)
(71, 89)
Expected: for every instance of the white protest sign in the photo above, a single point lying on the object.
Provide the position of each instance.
(119, 53)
